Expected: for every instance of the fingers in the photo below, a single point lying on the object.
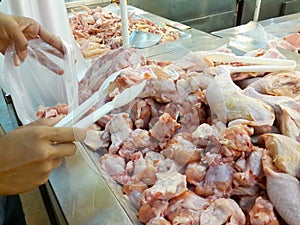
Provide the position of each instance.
(56, 163)
(21, 29)
(47, 122)
(53, 134)
(45, 61)
(18, 38)
(66, 134)
(64, 149)
(51, 39)
(44, 46)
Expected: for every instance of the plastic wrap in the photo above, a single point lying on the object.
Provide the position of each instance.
(245, 37)
(280, 30)
(92, 159)
(36, 82)
(253, 36)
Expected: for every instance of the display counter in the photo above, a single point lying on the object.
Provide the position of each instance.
(81, 193)
(201, 14)
(253, 35)
(83, 196)
(78, 194)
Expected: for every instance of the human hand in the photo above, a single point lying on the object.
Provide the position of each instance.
(18, 30)
(29, 153)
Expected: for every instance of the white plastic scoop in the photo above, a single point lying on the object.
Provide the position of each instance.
(121, 99)
(71, 119)
(256, 64)
(84, 107)
(140, 39)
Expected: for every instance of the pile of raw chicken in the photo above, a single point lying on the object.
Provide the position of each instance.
(201, 145)
(289, 42)
(98, 31)
(293, 40)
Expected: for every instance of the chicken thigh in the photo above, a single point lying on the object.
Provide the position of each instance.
(229, 104)
(280, 83)
(285, 152)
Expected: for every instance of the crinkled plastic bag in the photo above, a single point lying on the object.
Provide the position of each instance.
(35, 83)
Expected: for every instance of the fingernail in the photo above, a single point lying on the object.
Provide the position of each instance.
(17, 60)
(79, 134)
(59, 117)
(22, 55)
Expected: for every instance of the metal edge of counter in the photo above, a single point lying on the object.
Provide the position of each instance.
(279, 19)
(53, 208)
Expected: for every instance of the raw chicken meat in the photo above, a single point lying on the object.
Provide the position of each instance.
(189, 149)
(163, 91)
(193, 61)
(153, 209)
(223, 211)
(158, 221)
(97, 139)
(254, 162)
(195, 173)
(181, 150)
(272, 53)
(49, 112)
(284, 192)
(262, 213)
(169, 184)
(114, 165)
(294, 40)
(238, 137)
(229, 104)
(290, 118)
(165, 128)
(104, 66)
(218, 181)
(286, 110)
(138, 140)
(186, 208)
(285, 153)
(97, 31)
(272, 100)
(280, 83)
(119, 129)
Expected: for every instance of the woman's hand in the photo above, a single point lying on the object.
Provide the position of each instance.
(18, 30)
(29, 153)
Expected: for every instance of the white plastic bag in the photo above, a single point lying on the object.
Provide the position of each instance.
(33, 83)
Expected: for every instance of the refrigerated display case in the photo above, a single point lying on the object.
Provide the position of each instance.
(269, 9)
(76, 193)
(205, 15)
(253, 35)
